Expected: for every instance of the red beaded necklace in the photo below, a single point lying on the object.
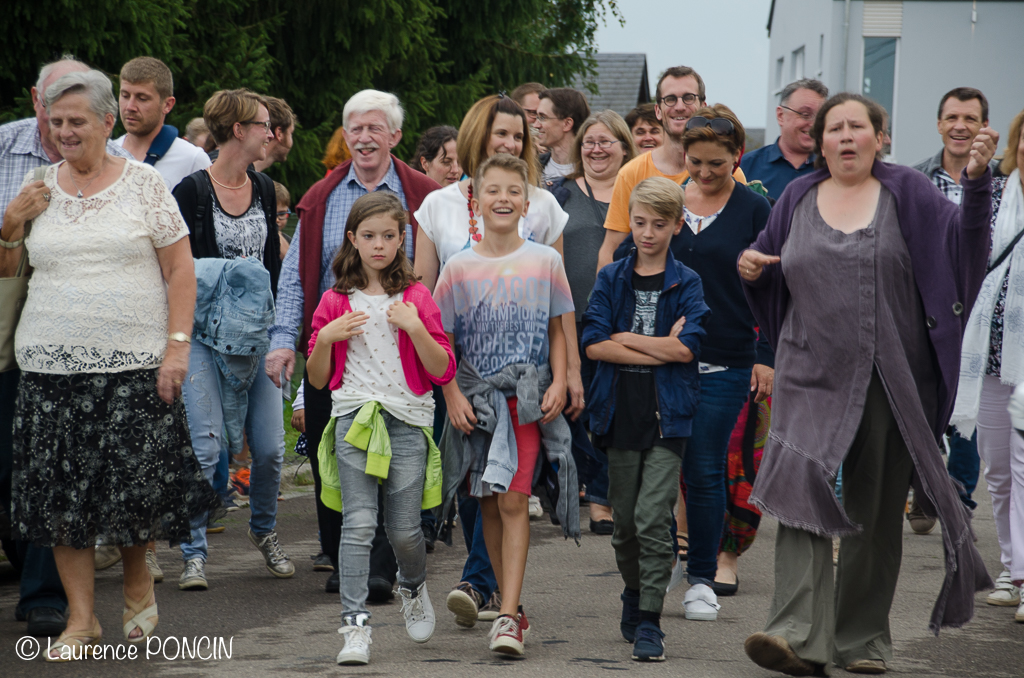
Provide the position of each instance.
(474, 232)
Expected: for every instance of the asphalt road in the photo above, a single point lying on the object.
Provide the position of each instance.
(288, 627)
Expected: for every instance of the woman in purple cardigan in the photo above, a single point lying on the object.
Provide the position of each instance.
(862, 280)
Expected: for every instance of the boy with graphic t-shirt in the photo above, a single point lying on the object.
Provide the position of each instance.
(500, 305)
(644, 327)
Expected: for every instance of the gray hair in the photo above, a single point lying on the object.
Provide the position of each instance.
(93, 84)
(373, 100)
(816, 86)
(47, 70)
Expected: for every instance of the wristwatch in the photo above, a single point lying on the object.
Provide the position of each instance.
(179, 336)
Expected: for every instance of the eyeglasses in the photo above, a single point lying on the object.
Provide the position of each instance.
(604, 144)
(284, 213)
(719, 126)
(544, 118)
(689, 99)
(265, 124)
(799, 114)
(532, 112)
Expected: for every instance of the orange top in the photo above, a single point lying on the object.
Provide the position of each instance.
(631, 174)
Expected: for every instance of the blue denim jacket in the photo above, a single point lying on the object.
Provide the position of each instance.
(610, 311)
(234, 310)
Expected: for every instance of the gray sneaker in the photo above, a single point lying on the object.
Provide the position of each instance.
(465, 602)
(277, 560)
(106, 556)
(492, 609)
(153, 566)
(418, 613)
(193, 577)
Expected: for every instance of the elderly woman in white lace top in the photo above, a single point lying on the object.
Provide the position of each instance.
(101, 444)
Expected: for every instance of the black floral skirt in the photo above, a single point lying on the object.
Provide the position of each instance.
(102, 456)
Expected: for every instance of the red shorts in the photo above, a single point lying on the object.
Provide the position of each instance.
(527, 448)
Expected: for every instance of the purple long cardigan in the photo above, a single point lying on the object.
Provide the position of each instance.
(949, 249)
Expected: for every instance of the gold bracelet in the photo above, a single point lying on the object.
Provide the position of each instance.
(179, 336)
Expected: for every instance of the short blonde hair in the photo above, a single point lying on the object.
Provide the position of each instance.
(148, 69)
(1009, 162)
(662, 196)
(196, 127)
(475, 135)
(619, 129)
(503, 161)
(227, 107)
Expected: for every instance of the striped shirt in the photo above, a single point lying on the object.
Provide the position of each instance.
(21, 151)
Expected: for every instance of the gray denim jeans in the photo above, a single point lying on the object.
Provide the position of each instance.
(403, 495)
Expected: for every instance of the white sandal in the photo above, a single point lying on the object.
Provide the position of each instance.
(138, 616)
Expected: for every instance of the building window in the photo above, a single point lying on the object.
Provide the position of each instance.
(779, 64)
(797, 65)
(821, 56)
(880, 70)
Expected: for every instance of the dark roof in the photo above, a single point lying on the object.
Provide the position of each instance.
(621, 80)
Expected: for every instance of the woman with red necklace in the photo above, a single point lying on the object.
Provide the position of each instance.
(495, 124)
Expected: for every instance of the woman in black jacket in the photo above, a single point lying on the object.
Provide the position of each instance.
(230, 211)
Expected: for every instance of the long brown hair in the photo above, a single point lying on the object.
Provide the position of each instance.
(348, 267)
(475, 135)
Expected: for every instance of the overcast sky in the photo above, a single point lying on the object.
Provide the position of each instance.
(724, 40)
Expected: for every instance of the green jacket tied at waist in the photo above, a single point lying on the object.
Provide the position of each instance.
(369, 432)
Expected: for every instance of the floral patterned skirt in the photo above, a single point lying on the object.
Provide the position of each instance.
(102, 456)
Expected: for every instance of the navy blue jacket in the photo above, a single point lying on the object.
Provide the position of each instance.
(610, 311)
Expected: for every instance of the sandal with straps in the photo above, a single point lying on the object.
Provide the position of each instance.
(75, 645)
(138, 616)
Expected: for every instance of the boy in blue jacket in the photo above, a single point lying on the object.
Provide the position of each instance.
(644, 327)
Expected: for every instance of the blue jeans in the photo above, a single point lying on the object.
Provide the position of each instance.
(722, 395)
(264, 426)
(964, 465)
(477, 570)
(591, 463)
(222, 474)
(403, 490)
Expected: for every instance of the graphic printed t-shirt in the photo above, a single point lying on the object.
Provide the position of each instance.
(635, 422)
(498, 307)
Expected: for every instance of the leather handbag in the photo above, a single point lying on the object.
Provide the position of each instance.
(13, 292)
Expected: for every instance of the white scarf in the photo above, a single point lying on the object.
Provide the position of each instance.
(974, 355)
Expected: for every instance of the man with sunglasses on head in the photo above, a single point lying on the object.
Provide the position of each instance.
(792, 154)
(680, 92)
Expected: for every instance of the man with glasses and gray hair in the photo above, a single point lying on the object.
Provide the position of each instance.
(372, 124)
(680, 92)
(792, 154)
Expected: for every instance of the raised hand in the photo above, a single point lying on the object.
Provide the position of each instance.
(752, 264)
(404, 316)
(982, 150)
(343, 327)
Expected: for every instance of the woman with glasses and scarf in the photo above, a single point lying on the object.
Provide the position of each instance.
(722, 218)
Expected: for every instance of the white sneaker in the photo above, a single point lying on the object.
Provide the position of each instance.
(536, 511)
(357, 641)
(1005, 593)
(193, 576)
(1020, 613)
(678, 575)
(701, 603)
(418, 613)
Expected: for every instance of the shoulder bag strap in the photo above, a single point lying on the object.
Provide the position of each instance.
(593, 202)
(1006, 253)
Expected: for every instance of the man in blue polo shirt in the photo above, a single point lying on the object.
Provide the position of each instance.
(792, 154)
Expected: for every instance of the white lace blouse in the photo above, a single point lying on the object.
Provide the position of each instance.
(97, 301)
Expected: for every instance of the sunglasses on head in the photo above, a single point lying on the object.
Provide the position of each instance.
(717, 125)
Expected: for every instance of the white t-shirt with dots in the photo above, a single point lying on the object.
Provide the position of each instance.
(373, 367)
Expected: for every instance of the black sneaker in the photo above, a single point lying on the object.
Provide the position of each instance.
(380, 590)
(649, 645)
(333, 584)
(630, 614)
(322, 562)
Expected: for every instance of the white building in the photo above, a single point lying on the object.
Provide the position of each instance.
(905, 55)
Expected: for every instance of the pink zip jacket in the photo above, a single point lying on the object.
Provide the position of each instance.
(334, 304)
